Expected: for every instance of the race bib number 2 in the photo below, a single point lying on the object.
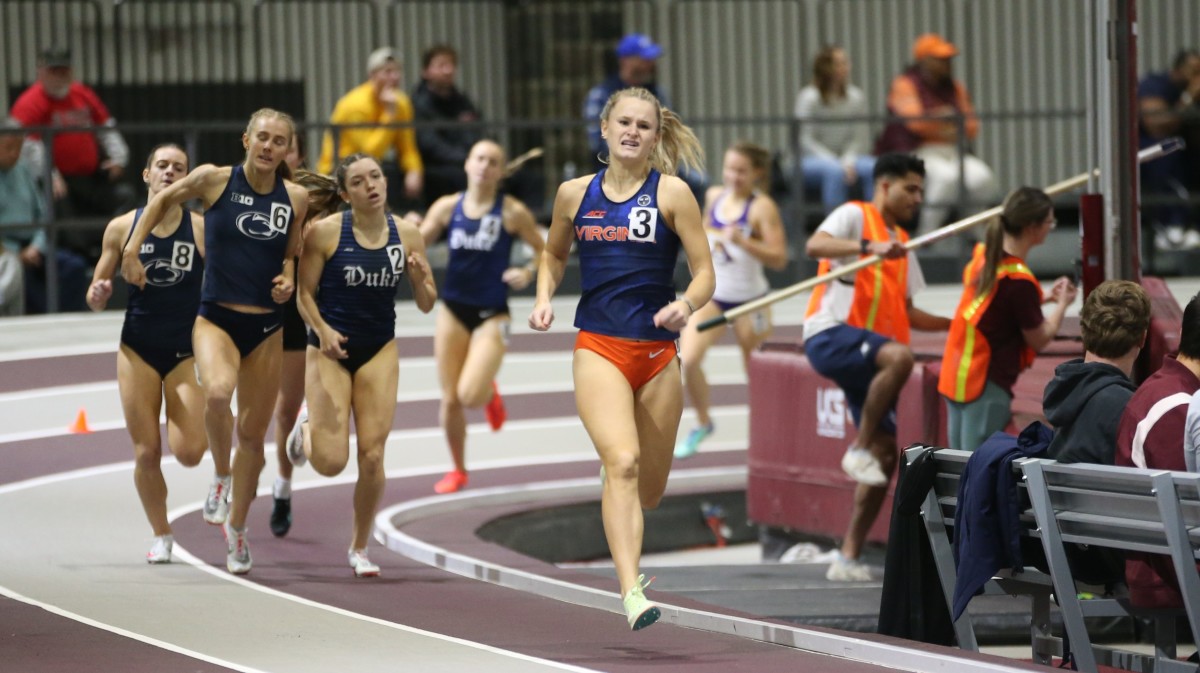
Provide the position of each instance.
(643, 222)
(396, 257)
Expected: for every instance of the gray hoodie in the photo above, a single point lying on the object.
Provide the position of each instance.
(1084, 403)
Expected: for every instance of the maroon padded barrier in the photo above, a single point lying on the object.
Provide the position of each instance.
(799, 429)
(1166, 322)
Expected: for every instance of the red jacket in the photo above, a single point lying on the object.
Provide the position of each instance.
(1150, 435)
(74, 153)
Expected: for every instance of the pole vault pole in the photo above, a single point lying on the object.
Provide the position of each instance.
(1149, 154)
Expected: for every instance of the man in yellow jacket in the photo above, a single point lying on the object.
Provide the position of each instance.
(379, 100)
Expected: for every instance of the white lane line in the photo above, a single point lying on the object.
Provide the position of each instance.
(387, 532)
(186, 556)
(9, 593)
(562, 386)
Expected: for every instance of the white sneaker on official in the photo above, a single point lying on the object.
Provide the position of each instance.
(1191, 239)
(216, 505)
(160, 551)
(295, 440)
(361, 564)
(861, 466)
(237, 560)
(848, 570)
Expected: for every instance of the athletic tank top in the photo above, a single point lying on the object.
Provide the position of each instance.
(626, 262)
(479, 254)
(357, 291)
(167, 306)
(739, 274)
(245, 240)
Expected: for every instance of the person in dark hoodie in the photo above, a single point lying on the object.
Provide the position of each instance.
(437, 98)
(1085, 399)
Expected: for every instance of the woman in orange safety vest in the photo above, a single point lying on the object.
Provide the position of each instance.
(999, 324)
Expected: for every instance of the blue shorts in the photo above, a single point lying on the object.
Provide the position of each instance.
(846, 356)
(357, 354)
(162, 358)
(247, 330)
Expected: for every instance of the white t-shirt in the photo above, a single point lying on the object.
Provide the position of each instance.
(846, 222)
(1191, 434)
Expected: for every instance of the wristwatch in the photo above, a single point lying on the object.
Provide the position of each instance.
(863, 245)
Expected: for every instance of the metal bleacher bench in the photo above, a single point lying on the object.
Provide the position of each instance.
(1119, 508)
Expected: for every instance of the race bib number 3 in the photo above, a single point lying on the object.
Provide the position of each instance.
(643, 223)
(182, 255)
(396, 257)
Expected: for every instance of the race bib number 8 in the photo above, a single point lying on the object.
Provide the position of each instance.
(643, 222)
(182, 255)
(396, 257)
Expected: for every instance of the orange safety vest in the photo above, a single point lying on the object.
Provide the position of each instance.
(965, 361)
(880, 290)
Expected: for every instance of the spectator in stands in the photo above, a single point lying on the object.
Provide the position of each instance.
(437, 98)
(932, 117)
(999, 326)
(637, 60)
(1085, 398)
(857, 333)
(1163, 100)
(836, 152)
(381, 101)
(1151, 435)
(21, 203)
(87, 165)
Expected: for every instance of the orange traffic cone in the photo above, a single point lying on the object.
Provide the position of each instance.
(80, 426)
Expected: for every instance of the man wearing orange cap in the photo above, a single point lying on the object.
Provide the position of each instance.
(930, 109)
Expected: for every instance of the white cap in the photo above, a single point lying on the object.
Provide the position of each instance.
(380, 58)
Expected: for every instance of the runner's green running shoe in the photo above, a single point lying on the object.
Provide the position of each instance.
(690, 445)
(638, 609)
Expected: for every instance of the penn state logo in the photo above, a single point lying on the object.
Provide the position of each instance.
(644, 200)
(160, 273)
(256, 225)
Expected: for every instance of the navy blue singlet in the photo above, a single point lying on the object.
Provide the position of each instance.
(164, 312)
(245, 241)
(626, 261)
(479, 253)
(357, 291)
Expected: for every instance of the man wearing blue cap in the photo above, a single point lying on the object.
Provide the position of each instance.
(636, 57)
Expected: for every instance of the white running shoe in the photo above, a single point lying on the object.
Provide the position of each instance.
(848, 570)
(216, 505)
(160, 551)
(295, 440)
(361, 564)
(864, 468)
(237, 561)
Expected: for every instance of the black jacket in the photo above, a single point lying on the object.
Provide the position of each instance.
(1084, 403)
(444, 145)
(913, 604)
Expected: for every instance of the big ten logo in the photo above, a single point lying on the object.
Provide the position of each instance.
(831, 413)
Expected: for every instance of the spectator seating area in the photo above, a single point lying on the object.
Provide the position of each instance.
(1125, 509)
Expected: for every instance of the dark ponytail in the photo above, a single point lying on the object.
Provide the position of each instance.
(1024, 207)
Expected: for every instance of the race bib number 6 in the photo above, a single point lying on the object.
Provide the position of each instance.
(642, 224)
(281, 214)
